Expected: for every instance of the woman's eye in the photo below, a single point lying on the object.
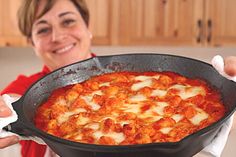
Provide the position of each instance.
(43, 31)
(68, 22)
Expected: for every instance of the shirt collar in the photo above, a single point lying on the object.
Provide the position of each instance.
(46, 69)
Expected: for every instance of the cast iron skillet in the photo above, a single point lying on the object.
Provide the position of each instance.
(81, 71)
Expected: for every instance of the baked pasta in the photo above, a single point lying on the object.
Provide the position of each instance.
(125, 108)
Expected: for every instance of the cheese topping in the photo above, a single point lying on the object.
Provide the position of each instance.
(122, 123)
(64, 117)
(144, 78)
(160, 107)
(94, 126)
(158, 92)
(133, 108)
(118, 137)
(166, 130)
(138, 98)
(200, 116)
(82, 120)
(98, 92)
(177, 117)
(186, 92)
(124, 112)
(104, 84)
(88, 100)
(139, 85)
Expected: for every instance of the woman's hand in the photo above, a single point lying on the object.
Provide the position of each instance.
(230, 65)
(230, 69)
(5, 112)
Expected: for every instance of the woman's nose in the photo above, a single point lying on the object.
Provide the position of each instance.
(58, 34)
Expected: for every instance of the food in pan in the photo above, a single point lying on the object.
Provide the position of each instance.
(125, 108)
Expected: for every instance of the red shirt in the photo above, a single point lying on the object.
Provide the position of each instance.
(19, 86)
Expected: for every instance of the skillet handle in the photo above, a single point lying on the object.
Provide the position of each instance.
(18, 126)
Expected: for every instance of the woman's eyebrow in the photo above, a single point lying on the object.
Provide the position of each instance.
(60, 15)
(41, 22)
(65, 13)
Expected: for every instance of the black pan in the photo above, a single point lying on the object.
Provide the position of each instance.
(83, 70)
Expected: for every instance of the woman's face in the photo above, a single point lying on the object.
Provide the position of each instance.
(60, 37)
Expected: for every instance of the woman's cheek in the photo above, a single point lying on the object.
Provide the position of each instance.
(39, 48)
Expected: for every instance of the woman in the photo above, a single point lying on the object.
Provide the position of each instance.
(59, 36)
(58, 32)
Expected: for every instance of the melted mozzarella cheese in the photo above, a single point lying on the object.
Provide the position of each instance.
(150, 114)
(118, 137)
(94, 126)
(156, 118)
(122, 123)
(89, 101)
(193, 91)
(78, 137)
(156, 77)
(133, 108)
(186, 92)
(61, 102)
(166, 130)
(159, 93)
(98, 92)
(149, 117)
(159, 108)
(178, 86)
(200, 116)
(104, 84)
(64, 117)
(143, 78)
(138, 98)
(146, 81)
(139, 85)
(82, 120)
(177, 117)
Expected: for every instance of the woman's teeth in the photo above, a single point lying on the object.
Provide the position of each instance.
(67, 48)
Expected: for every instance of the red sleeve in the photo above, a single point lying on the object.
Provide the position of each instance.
(93, 55)
(32, 149)
(19, 86)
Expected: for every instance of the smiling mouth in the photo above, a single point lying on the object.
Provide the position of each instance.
(64, 49)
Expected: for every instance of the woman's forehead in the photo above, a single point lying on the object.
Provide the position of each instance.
(57, 7)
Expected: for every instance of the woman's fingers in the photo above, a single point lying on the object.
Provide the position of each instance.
(4, 110)
(230, 65)
(8, 141)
